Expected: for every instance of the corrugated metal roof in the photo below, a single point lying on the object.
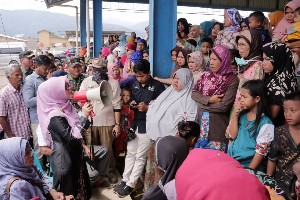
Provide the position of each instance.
(262, 5)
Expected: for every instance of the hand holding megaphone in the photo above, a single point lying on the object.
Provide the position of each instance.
(87, 109)
(103, 93)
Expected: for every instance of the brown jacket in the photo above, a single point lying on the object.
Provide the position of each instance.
(218, 112)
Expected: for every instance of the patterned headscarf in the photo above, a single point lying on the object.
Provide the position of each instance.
(282, 80)
(211, 83)
(235, 17)
(198, 59)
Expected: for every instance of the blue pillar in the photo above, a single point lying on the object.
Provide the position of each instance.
(82, 23)
(97, 12)
(162, 39)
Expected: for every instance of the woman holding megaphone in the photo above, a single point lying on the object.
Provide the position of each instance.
(63, 130)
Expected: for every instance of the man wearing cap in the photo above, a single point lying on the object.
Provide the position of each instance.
(107, 118)
(74, 76)
(29, 91)
(26, 63)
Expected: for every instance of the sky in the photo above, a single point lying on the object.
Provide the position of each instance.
(138, 12)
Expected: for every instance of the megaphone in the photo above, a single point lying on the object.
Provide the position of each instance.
(102, 93)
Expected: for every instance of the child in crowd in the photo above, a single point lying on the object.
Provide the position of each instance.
(196, 64)
(127, 115)
(256, 21)
(215, 30)
(285, 152)
(114, 71)
(190, 131)
(251, 129)
(279, 32)
(146, 55)
(206, 45)
(181, 63)
(244, 24)
(232, 19)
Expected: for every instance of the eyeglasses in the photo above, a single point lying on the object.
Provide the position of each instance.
(239, 45)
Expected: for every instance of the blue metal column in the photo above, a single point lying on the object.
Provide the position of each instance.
(82, 23)
(162, 30)
(97, 19)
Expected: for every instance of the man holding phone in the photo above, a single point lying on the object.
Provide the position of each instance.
(144, 90)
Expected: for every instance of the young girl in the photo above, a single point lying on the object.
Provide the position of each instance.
(196, 64)
(127, 115)
(181, 62)
(251, 129)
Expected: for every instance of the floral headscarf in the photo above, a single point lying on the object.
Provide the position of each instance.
(282, 80)
(235, 17)
(211, 83)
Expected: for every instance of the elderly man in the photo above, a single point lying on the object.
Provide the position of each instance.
(29, 91)
(107, 119)
(14, 117)
(26, 62)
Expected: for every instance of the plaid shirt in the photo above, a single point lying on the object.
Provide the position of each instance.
(13, 107)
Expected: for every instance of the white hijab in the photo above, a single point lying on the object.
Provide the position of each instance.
(171, 107)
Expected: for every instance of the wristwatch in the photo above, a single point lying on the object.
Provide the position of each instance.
(117, 124)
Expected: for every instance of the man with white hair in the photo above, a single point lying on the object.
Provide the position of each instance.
(14, 117)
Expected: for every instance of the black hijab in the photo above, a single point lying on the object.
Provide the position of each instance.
(171, 151)
(282, 80)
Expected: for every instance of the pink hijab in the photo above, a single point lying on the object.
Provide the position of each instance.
(211, 83)
(52, 101)
(279, 31)
(211, 174)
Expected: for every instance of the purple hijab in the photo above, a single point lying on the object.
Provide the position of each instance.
(52, 101)
(211, 83)
(12, 154)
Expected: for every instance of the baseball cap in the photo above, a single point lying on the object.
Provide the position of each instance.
(72, 62)
(26, 54)
(98, 63)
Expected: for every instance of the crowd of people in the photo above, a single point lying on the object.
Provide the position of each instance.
(224, 125)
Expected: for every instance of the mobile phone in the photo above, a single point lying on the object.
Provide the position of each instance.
(114, 134)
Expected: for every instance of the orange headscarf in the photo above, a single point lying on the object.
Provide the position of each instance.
(276, 17)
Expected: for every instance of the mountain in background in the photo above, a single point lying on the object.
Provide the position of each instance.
(29, 22)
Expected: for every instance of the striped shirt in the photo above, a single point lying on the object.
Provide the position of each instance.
(12, 106)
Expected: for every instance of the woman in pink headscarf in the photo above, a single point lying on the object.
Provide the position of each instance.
(288, 19)
(210, 175)
(62, 131)
(214, 92)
